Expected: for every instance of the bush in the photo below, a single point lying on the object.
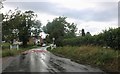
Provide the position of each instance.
(5, 45)
(109, 38)
(8, 53)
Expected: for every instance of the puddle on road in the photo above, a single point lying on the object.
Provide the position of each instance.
(56, 65)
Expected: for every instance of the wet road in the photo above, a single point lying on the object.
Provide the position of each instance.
(41, 60)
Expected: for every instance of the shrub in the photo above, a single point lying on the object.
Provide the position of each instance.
(109, 38)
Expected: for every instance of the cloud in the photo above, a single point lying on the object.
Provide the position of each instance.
(92, 16)
(96, 27)
(102, 11)
(58, 1)
(44, 18)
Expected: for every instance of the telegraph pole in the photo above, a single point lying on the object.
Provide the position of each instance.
(119, 14)
(0, 28)
(1, 6)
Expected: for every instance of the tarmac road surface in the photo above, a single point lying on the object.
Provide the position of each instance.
(41, 60)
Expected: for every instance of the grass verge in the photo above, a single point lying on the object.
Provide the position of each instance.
(105, 59)
(12, 52)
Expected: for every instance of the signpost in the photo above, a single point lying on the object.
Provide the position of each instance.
(53, 45)
(53, 40)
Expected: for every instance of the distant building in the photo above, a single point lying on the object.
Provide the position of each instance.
(35, 40)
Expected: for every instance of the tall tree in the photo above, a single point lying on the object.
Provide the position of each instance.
(25, 26)
(36, 29)
(10, 22)
(70, 30)
(55, 29)
(83, 32)
(59, 28)
(20, 24)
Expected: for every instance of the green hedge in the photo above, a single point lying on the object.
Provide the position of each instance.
(109, 38)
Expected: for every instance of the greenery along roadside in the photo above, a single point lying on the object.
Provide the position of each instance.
(109, 38)
(7, 52)
(106, 59)
(65, 34)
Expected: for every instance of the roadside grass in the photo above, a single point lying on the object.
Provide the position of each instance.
(5, 45)
(105, 59)
(6, 51)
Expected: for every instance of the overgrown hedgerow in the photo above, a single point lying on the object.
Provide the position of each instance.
(109, 38)
(106, 59)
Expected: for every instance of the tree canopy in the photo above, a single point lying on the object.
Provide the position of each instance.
(59, 29)
(18, 24)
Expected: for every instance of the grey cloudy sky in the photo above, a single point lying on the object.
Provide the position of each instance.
(93, 16)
